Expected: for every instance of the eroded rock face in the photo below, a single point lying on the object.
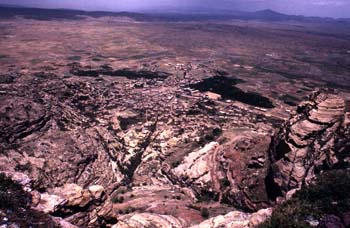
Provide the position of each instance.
(99, 151)
(236, 219)
(233, 172)
(316, 138)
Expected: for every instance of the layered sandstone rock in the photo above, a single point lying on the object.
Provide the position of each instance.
(316, 138)
(233, 172)
(234, 219)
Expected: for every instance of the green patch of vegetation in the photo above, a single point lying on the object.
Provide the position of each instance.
(118, 199)
(207, 196)
(225, 86)
(225, 183)
(22, 168)
(329, 195)
(127, 210)
(205, 212)
(176, 197)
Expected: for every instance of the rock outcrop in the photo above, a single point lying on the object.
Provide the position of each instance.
(315, 139)
(236, 219)
(127, 148)
(232, 172)
(148, 220)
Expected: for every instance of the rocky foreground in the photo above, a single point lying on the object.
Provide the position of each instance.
(129, 149)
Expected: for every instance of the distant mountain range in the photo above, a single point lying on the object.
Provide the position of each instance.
(11, 11)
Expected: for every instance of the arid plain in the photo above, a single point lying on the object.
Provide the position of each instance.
(113, 121)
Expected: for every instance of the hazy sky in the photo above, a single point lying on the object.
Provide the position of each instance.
(332, 8)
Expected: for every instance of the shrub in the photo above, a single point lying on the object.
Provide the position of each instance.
(118, 199)
(205, 212)
(328, 195)
(130, 210)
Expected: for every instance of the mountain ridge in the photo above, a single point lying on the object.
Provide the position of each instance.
(10, 11)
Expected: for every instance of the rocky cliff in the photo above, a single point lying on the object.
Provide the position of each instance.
(314, 140)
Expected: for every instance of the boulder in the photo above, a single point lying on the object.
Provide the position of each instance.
(236, 219)
(50, 203)
(75, 195)
(96, 191)
(260, 217)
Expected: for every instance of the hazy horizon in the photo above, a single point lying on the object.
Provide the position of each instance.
(323, 8)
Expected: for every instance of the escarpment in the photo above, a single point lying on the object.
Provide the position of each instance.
(314, 140)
